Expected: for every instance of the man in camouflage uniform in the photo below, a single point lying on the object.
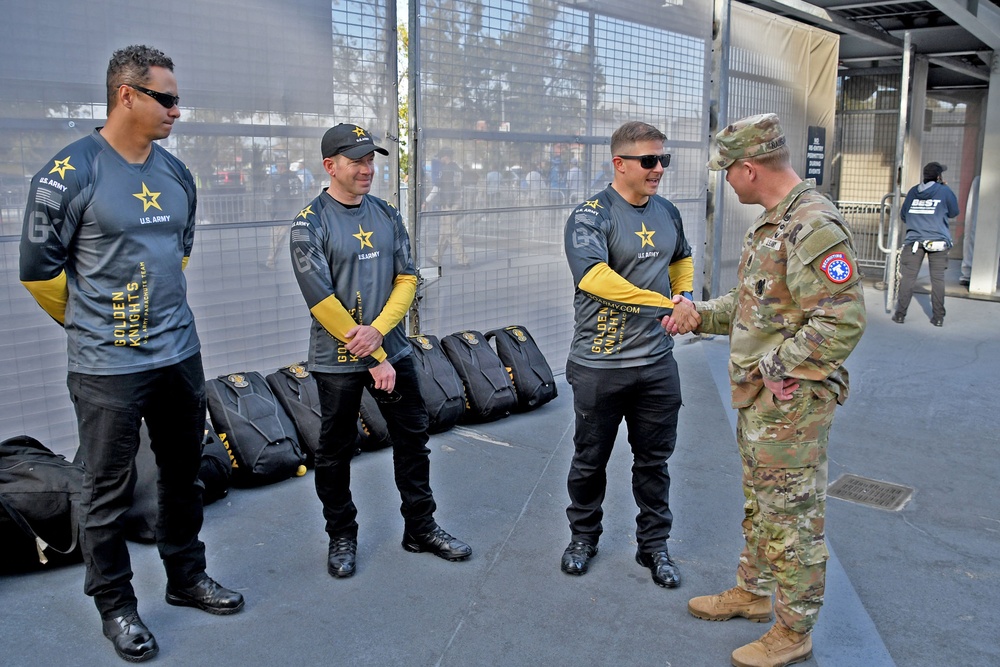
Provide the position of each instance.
(795, 315)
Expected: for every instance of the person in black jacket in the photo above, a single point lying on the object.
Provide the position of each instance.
(925, 212)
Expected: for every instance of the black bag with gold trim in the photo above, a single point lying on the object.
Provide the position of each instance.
(530, 372)
(440, 386)
(254, 428)
(296, 390)
(489, 392)
(216, 470)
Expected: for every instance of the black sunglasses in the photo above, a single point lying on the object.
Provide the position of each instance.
(166, 100)
(649, 161)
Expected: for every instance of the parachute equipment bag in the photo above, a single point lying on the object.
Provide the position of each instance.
(139, 521)
(254, 428)
(296, 390)
(39, 498)
(489, 391)
(373, 432)
(530, 372)
(440, 386)
(216, 467)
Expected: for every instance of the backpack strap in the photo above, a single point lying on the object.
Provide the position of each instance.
(40, 544)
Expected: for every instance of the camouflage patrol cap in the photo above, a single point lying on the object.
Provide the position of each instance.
(747, 137)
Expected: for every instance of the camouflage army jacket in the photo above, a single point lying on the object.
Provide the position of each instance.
(798, 307)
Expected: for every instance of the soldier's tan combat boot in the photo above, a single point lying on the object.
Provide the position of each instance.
(732, 603)
(778, 647)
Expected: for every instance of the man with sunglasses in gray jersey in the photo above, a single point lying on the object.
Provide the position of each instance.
(628, 255)
(108, 231)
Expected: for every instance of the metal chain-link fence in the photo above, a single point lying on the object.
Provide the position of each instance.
(514, 100)
(259, 82)
(515, 106)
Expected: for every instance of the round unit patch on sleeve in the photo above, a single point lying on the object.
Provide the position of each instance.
(837, 268)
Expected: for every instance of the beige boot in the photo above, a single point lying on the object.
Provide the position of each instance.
(778, 647)
(731, 603)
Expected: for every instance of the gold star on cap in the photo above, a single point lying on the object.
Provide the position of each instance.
(62, 166)
(358, 131)
(364, 237)
(148, 198)
(646, 235)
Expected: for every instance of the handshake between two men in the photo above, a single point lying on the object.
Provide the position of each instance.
(684, 319)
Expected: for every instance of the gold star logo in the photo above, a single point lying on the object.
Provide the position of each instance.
(593, 204)
(358, 131)
(307, 211)
(62, 166)
(148, 198)
(364, 237)
(646, 235)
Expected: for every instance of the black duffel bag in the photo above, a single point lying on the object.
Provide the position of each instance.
(373, 431)
(216, 470)
(139, 521)
(39, 497)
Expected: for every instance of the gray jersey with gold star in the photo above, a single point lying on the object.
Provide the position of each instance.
(119, 233)
(353, 253)
(616, 327)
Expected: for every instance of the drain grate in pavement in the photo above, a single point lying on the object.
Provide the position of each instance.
(883, 495)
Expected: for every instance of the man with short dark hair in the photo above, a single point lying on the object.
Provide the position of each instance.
(795, 315)
(108, 231)
(351, 257)
(628, 255)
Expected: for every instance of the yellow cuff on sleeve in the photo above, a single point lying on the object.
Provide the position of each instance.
(682, 275)
(51, 295)
(334, 317)
(404, 288)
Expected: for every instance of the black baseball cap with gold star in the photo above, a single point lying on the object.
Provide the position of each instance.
(350, 141)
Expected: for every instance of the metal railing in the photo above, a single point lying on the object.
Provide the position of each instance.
(867, 222)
